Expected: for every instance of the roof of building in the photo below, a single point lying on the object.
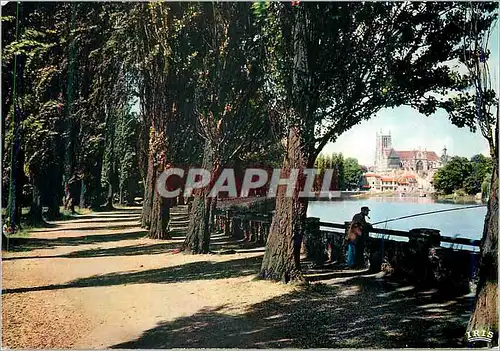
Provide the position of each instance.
(431, 155)
(369, 174)
(387, 179)
(408, 155)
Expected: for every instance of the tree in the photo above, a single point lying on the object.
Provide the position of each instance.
(453, 175)
(165, 80)
(353, 173)
(61, 130)
(227, 90)
(471, 106)
(481, 167)
(477, 110)
(335, 162)
(336, 64)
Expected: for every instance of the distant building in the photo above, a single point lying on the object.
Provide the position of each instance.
(388, 159)
(403, 182)
(388, 184)
(372, 181)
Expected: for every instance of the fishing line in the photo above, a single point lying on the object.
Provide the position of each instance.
(428, 213)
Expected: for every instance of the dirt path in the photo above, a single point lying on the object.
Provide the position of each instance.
(96, 282)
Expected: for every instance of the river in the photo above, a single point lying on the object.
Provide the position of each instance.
(467, 223)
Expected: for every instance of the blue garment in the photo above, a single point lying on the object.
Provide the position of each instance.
(351, 253)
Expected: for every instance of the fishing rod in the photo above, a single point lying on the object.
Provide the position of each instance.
(427, 213)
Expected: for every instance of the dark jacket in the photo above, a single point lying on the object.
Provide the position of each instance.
(360, 218)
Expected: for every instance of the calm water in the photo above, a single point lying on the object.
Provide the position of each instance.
(467, 223)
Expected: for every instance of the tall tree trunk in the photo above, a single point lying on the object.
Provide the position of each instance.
(282, 256)
(149, 187)
(51, 195)
(35, 215)
(485, 314)
(94, 191)
(109, 197)
(83, 194)
(160, 217)
(213, 209)
(20, 182)
(15, 179)
(198, 236)
(4, 241)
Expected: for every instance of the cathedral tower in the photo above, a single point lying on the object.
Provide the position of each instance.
(382, 149)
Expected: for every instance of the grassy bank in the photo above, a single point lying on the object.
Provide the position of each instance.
(368, 195)
(26, 227)
(457, 198)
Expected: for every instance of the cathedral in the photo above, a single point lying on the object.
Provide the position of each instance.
(388, 159)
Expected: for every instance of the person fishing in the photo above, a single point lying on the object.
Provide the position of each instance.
(353, 234)
(359, 243)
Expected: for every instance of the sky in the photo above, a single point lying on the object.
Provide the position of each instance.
(411, 130)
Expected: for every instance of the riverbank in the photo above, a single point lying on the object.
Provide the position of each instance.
(451, 198)
(460, 199)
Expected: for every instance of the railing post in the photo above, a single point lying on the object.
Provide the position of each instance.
(420, 246)
(426, 239)
(314, 244)
(246, 228)
(342, 251)
(236, 229)
(227, 223)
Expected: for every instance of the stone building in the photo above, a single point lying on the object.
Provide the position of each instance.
(388, 159)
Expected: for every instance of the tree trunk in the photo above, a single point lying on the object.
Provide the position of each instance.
(15, 187)
(4, 241)
(94, 191)
(51, 197)
(149, 187)
(71, 193)
(159, 218)
(282, 256)
(213, 210)
(35, 215)
(109, 198)
(198, 236)
(83, 194)
(485, 314)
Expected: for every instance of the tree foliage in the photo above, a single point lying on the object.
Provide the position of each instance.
(463, 174)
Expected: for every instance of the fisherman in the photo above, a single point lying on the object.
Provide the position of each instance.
(352, 235)
(359, 218)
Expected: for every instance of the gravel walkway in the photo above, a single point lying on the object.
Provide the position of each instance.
(96, 282)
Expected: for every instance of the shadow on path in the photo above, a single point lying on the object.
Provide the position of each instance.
(352, 314)
(132, 250)
(202, 270)
(112, 226)
(28, 244)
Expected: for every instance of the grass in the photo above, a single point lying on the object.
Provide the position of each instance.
(460, 199)
(27, 228)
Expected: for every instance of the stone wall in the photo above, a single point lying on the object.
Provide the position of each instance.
(419, 261)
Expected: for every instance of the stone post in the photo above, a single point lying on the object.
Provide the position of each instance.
(227, 223)
(314, 245)
(431, 238)
(236, 228)
(419, 248)
(342, 251)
